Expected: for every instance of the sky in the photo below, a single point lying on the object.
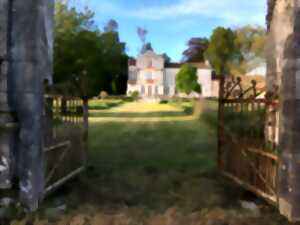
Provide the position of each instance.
(171, 23)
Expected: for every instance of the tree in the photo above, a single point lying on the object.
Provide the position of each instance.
(187, 80)
(111, 26)
(195, 51)
(142, 34)
(146, 47)
(251, 41)
(222, 51)
(84, 55)
(166, 58)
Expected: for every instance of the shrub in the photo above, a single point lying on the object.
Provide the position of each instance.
(163, 102)
(103, 94)
(135, 95)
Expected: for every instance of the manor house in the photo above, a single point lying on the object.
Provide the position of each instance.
(151, 77)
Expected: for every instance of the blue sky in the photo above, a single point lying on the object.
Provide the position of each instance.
(171, 23)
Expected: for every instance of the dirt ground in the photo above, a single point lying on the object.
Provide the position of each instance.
(87, 215)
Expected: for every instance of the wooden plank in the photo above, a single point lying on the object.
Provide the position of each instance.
(56, 165)
(272, 199)
(63, 180)
(57, 146)
(258, 172)
(249, 101)
(263, 153)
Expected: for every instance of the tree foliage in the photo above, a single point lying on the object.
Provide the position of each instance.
(223, 51)
(142, 34)
(87, 61)
(146, 47)
(111, 26)
(166, 58)
(195, 51)
(187, 80)
(251, 41)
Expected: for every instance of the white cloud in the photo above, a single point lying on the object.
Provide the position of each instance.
(232, 12)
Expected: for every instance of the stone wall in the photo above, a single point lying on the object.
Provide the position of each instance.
(26, 45)
(283, 52)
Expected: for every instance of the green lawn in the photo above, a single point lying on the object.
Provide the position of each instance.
(152, 164)
(154, 155)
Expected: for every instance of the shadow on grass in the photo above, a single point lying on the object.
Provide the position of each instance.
(155, 165)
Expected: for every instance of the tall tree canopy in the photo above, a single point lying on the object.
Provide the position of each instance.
(195, 51)
(111, 26)
(251, 41)
(166, 58)
(146, 47)
(142, 34)
(187, 80)
(223, 51)
(87, 61)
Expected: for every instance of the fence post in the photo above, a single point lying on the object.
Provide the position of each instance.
(85, 127)
(221, 120)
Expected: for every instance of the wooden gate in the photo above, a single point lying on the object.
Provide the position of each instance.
(65, 140)
(248, 129)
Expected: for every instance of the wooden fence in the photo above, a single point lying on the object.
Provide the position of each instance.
(248, 138)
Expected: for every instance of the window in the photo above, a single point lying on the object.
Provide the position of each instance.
(166, 90)
(143, 90)
(148, 76)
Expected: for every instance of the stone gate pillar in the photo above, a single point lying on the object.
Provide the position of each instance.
(284, 69)
(7, 121)
(26, 46)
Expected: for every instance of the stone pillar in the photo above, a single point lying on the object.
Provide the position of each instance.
(7, 122)
(284, 68)
(29, 64)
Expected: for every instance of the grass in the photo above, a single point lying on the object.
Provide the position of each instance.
(141, 112)
(98, 104)
(152, 162)
(154, 155)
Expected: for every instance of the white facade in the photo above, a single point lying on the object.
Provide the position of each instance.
(149, 76)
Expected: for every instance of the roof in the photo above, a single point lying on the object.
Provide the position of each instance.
(173, 65)
(150, 53)
(200, 65)
(178, 65)
(131, 62)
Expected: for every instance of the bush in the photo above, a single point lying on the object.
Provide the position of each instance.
(135, 95)
(103, 94)
(163, 102)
